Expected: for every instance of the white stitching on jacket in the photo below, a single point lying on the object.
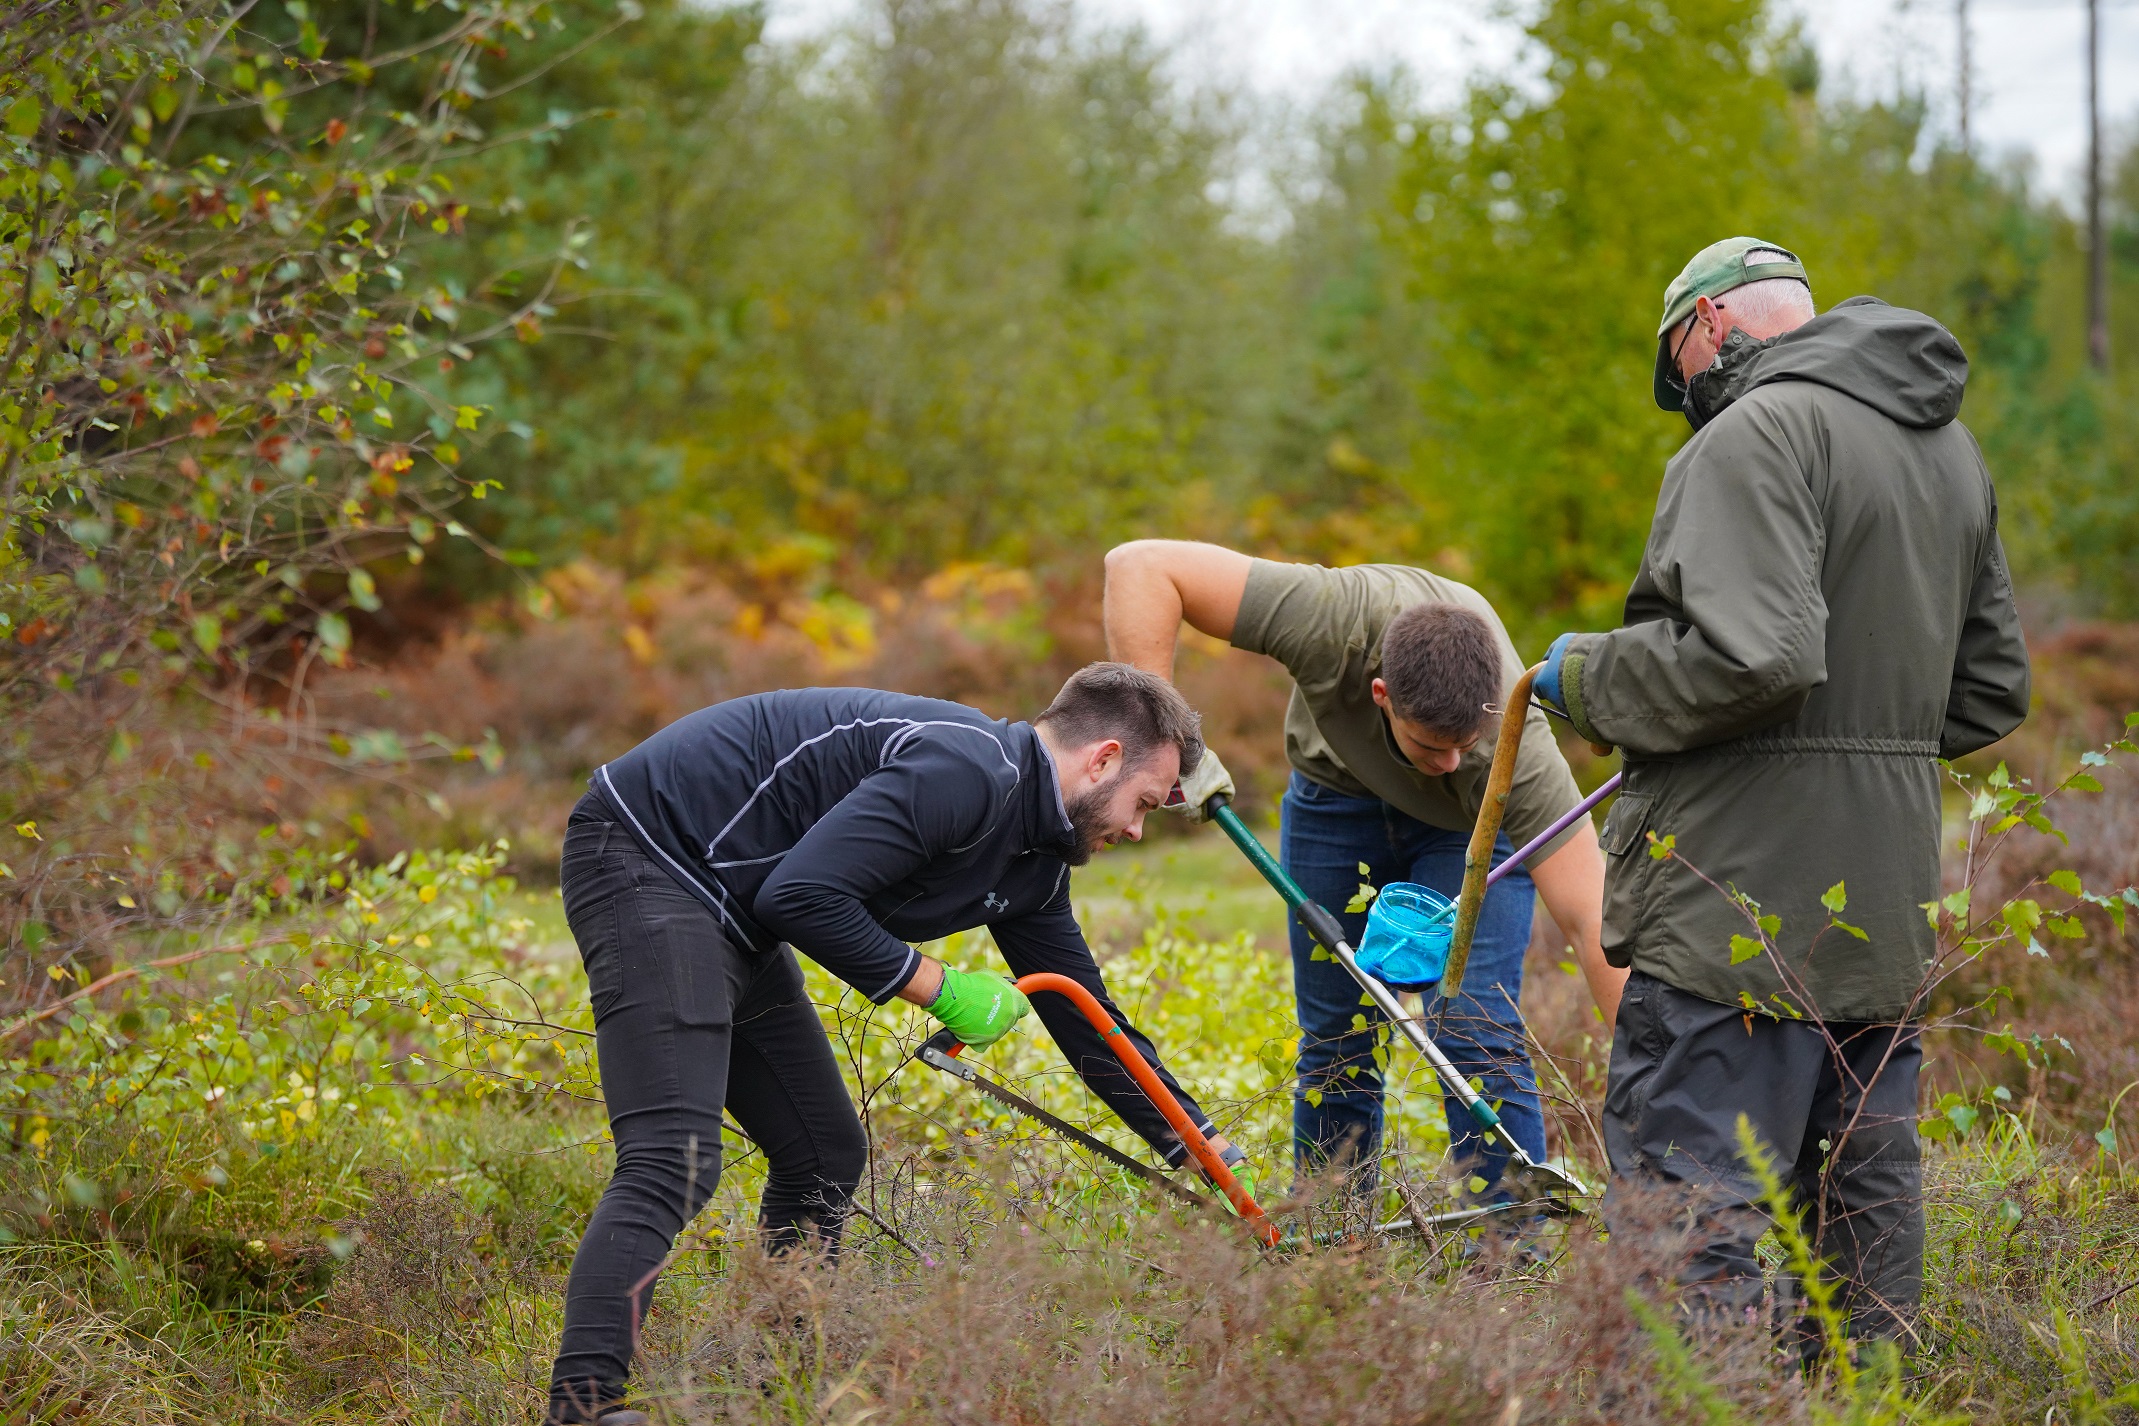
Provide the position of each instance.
(720, 906)
(897, 741)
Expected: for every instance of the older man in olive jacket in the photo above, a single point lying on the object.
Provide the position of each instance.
(1822, 613)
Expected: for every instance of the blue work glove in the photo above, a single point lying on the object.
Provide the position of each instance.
(1547, 683)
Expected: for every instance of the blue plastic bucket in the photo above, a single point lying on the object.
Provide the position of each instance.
(1408, 931)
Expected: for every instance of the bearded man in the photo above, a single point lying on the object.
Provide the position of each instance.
(843, 823)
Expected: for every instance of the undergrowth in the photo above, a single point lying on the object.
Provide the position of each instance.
(338, 1174)
(1002, 1306)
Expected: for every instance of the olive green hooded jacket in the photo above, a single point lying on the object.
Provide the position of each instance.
(1822, 613)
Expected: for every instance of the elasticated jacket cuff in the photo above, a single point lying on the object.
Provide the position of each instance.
(1571, 692)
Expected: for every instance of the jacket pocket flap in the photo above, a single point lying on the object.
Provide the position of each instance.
(1625, 823)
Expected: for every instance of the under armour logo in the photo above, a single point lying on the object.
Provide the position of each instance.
(995, 903)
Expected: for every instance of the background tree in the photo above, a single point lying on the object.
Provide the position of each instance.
(221, 344)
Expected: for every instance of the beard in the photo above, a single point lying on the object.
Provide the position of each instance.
(1089, 824)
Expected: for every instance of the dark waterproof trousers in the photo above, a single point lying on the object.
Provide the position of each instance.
(686, 1024)
(1838, 1122)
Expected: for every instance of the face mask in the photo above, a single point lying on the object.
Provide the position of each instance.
(1704, 396)
(1721, 381)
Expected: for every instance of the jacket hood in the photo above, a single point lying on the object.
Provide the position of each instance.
(1900, 363)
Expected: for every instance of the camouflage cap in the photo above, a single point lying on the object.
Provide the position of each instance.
(1714, 270)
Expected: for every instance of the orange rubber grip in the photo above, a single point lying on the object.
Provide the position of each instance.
(1155, 1089)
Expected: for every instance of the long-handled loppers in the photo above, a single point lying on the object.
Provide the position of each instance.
(1539, 1186)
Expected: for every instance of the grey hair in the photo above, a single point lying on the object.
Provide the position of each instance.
(1770, 297)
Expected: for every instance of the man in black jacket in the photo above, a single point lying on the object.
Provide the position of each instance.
(844, 823)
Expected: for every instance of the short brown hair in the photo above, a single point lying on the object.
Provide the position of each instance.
(1140, 710)
(1442, 667)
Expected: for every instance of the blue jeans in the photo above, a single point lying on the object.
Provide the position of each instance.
(1337, 1094)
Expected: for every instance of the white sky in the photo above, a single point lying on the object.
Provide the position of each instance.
(2029, 54)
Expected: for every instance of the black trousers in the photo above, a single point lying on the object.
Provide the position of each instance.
(686, 1024)
(1839, 1123)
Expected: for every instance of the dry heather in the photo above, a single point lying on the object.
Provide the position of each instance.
(418, 1291)
(1029, 1321)
(1032, 1317)
(1186, 1325)
(992, 1311)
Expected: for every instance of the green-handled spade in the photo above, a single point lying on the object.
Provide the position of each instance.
(1539, 1187)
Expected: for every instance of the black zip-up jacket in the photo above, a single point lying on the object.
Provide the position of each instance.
(849, 822)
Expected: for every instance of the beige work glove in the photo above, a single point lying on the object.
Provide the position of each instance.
(1208, 780)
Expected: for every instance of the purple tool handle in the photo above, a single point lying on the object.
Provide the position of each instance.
(1580, 809)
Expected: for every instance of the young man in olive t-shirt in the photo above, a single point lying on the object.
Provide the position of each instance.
(1390, 743)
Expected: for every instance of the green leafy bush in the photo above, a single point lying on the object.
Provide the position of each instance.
(222, 349)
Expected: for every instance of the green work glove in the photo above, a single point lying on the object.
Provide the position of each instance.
(978, 1009)
(1236, 1159)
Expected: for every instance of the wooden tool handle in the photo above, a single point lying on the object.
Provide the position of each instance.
(1478, 859)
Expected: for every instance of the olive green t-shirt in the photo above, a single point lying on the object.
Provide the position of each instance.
(1325, 626)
